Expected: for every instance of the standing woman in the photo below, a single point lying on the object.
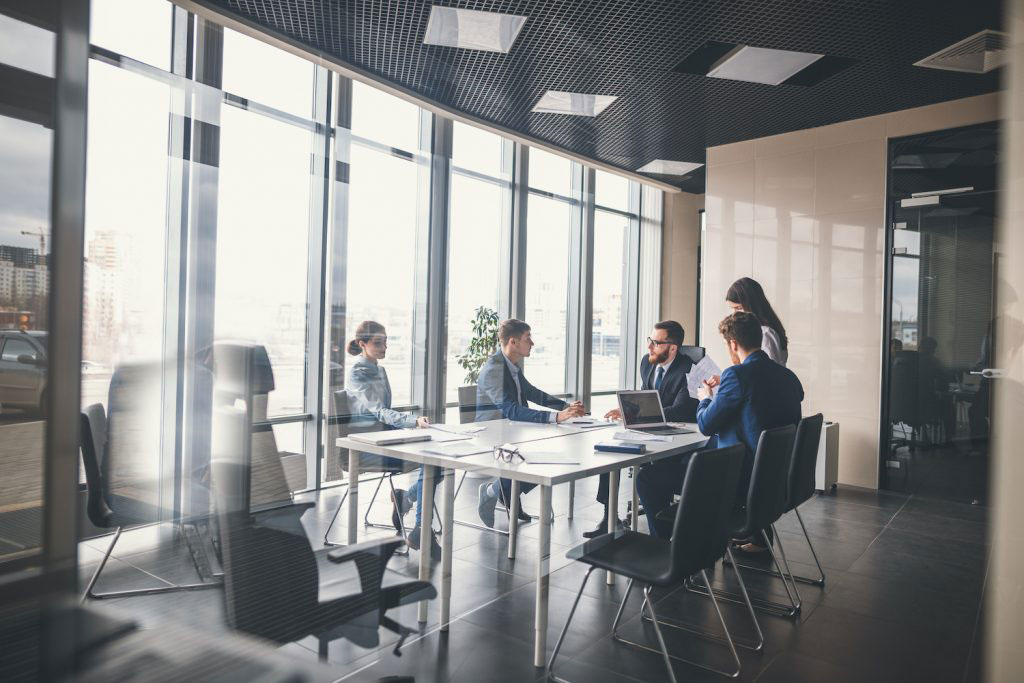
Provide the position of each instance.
(370, 389)
(747, 295)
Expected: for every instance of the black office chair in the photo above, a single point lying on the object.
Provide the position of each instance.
(107, 509)
(694, 353)
(699, 538)
(766, 501)
(272, 581)
(801, 486)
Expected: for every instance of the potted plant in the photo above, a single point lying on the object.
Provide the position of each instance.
(482, 345)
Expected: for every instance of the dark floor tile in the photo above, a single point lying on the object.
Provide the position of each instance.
(492, 551)
(832, 554)
(971, 555)
(881, 650)
(947, 508)
(789, 667)
(917, 571)
(823, 506)
(941, 527)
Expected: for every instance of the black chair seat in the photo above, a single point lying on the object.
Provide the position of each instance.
(639, 556)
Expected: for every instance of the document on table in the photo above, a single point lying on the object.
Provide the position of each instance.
(589, 422)
(705, 369)
(640, 436)
(458, 429)
(458, 449)
(549, 459)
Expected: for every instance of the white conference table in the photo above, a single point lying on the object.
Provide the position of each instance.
(572, 443)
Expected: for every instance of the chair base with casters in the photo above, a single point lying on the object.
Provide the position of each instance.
(820, 582)
(170, 588)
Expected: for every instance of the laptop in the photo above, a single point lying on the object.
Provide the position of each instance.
(642, 412)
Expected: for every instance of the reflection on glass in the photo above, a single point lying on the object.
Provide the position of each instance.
(24, 294)
(262, 245)
(261, 72)
(551, 173)
(140, 29)
(609, 284)
(547, 284)
(26, 46)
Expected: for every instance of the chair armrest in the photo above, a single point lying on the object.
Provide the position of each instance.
(380, 545)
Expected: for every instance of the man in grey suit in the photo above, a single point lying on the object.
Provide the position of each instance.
(504, 392)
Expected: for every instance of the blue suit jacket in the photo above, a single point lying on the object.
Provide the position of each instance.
(675, 398)
(496, 395)
(756, 395)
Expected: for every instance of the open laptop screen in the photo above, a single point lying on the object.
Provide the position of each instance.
(640, 408)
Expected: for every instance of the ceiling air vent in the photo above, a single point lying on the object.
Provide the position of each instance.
(977, 54)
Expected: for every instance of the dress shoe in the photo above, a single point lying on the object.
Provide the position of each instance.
(400, 505)
(414, 543)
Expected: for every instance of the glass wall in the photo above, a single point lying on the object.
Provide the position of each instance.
(554, 210)
(25, 159)
(479, 220)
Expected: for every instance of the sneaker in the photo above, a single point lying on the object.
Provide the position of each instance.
(414, 543)
(400, 502)
(485, 504)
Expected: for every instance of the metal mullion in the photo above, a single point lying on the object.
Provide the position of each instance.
(512, 293)
(507, 170)
(629, 347)
(319, 222)
(437, 234)
(581, 278)
(552, 195)
(67, 239)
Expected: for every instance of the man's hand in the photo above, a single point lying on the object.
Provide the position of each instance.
(613, 414)
(422, 422)
(714, 381)
(575, 409)
(705, 391)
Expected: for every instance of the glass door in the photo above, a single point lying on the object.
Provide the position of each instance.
(937, 412)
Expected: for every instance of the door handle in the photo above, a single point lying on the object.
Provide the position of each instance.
(989, 373)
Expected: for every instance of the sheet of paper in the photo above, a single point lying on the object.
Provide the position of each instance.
(458, 449)
(445, 437)
(705, 369)
(550, 459)
(589, 422)
(637, 437)
(458, 429)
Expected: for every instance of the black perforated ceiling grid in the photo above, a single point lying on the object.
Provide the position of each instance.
(630, 49)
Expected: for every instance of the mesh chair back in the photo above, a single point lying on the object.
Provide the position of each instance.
(694, 353)
(467, 404)
(708, 495)
(271, 580)
(805, 460)
(766, 498)
(93, 427)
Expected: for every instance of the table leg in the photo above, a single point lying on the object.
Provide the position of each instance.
(447, 529)
(572, 498)
(540, 622)
(513, 520)
(426, 519)
(635, 513)
(353, 496)
(613, 511)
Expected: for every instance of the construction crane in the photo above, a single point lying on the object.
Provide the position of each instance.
(38, 232)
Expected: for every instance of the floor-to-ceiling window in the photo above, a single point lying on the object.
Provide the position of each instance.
(553, 211)
(480, 215)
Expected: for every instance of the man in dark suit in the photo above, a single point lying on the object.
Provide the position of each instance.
(503, 392)
(754, 394)
(663, 369)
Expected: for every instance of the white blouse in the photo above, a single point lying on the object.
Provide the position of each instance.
(772, 346)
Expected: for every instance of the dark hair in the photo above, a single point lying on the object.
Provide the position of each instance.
(511, 328)
(674, 330)
(743, 328)
(365, 331)
(749, 294)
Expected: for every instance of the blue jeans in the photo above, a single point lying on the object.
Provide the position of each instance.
(656, 484)
(417, 489)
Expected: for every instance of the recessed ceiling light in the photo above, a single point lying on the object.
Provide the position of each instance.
(664, 167)
(577, 104)
(761, 65)
(472, 30)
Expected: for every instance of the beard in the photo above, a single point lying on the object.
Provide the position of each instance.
(657, 358)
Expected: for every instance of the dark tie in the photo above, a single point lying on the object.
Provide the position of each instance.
(658, 377)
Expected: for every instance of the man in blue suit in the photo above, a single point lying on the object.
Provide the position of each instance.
(503, 392)
(754, 394)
